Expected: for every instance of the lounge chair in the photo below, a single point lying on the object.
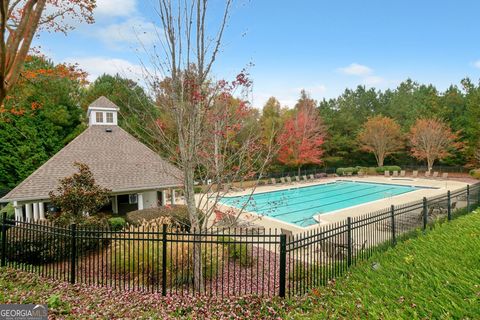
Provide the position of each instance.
(312, 177)
(387, 173)
(445, 175)
(360, 174)
(395, 173)
(304, 179)
(289, 180)
(414, 173)
(282, 180)
(273, 181)
(427, 174)
(435, 174)
(402, 173)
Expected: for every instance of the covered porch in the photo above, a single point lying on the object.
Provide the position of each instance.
(121, 203)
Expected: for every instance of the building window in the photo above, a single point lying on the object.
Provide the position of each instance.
(109, 117)
(99, 117)
(132, 198)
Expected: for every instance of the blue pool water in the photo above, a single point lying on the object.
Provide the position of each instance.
(299, 205)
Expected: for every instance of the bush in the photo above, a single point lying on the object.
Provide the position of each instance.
(116, 223)
(344, 171)
(475, 173)
(367, 170)
(237, 251)
(382, 170)
(39, 245)
(135, 258)
(177, 214)
(197, 189)
(10, 210)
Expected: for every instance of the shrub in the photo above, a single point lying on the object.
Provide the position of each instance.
(10, 210)
(117, 223)
(344, 171)
(382, 170)
(40, 245)
(197, 189)
(79, 193)
(367, 170)
(475, 173)
(136, 258)
(237, 251)
(177, 213)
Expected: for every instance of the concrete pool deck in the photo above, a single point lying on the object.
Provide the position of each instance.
(435, 187)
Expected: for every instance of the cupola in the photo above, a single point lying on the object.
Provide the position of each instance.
(102, 112)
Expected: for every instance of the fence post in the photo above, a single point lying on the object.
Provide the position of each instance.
(468, 198)
(394, 237)
(164, 260)
(349, 239)
(4, 239)
(73, 252)
(449, 206)
(283, 265)
(425, 213)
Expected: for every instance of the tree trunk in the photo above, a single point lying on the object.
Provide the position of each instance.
(380, 161)
(430, 164)
(299, 171)
(196, 229)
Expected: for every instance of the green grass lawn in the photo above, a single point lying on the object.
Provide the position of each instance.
(433, 276)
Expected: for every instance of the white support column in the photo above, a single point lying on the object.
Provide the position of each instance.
(172, 196)
(140, 201)
(164, 197)
(28, 212)
(36, 216)
(115, 204)
(18, 211)
(41, 210)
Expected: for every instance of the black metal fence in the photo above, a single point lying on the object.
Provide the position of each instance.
(224, 262)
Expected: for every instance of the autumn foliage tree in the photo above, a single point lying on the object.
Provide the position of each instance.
(78, 194)
(20, 21)
(432, 139)
(40, 115)
(202, 119)
(301, 139)
(382, 136)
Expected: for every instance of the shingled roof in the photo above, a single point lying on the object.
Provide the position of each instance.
(118, 161)
(104, 103)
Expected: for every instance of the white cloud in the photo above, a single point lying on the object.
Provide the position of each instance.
(96, 66)
(131, 31)
(356, 70)
(115, 8)
(476, 64)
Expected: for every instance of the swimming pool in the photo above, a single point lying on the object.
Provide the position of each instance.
(298, 205)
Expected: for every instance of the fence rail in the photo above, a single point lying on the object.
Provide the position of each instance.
(224, 262)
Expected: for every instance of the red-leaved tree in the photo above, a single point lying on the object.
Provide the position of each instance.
(301, 139)
(432, 139)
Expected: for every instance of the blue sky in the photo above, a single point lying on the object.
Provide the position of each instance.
(322, 46)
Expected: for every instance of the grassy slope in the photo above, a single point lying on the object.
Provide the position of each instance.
(434, 276)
